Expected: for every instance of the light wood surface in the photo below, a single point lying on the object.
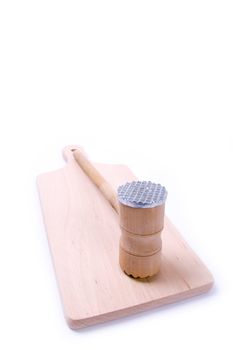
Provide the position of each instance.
(96, 177)
(140, 242)
(83, 233)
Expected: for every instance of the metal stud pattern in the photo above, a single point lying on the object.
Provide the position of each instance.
(142, 194)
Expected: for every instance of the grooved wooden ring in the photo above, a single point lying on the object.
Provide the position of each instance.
(140, 234)
(141, 256)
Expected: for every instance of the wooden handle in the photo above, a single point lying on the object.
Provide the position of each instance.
(105, 188)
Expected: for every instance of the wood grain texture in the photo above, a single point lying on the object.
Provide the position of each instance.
(83, 233)
(140, 241)
(96, 178)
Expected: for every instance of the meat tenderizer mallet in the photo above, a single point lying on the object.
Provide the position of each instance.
(141, 206)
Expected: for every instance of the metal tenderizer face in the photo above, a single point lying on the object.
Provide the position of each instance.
(142, 194)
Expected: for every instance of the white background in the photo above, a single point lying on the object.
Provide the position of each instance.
(145, 83)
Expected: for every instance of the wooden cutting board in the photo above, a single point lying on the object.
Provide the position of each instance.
(83, 234)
